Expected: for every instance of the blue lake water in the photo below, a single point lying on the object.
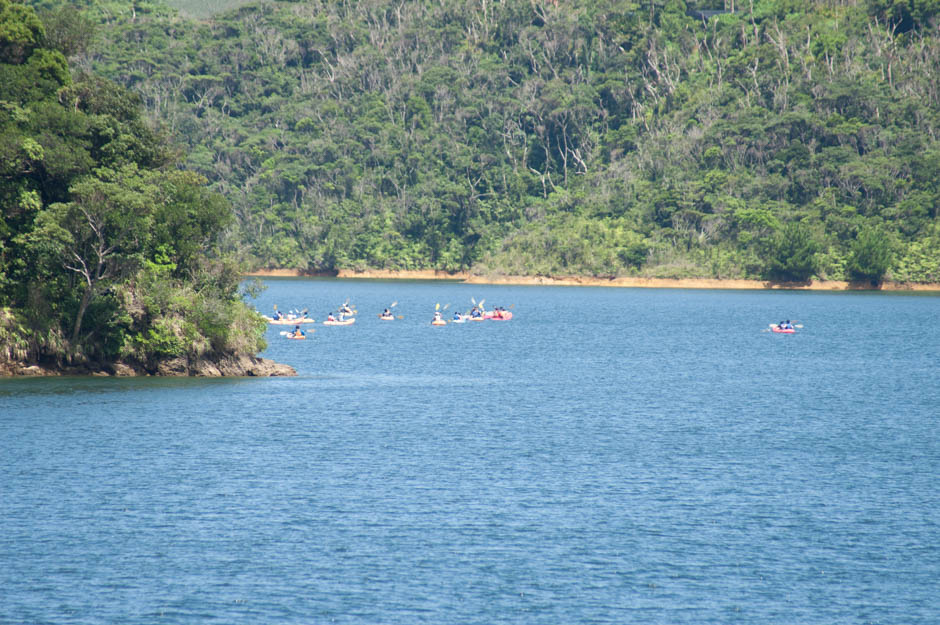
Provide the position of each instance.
(608, 456)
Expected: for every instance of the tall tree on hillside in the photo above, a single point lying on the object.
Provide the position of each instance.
(101, 233)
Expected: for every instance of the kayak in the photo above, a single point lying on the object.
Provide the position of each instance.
(346, 322)
(286, 322)
(389, 318)
(498, 315)
(295, 337)
(780, 330)
(439, 322)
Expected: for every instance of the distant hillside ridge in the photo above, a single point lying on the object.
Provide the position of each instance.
(786, 140)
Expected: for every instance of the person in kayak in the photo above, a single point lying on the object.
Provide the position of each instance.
(437, 315)
(330, 317)
(298, 331)
(476, 313)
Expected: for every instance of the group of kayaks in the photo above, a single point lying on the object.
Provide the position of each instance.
(346, 316)
(497, 314)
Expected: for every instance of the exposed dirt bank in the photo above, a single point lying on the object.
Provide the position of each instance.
(655, 283)
(242, 366)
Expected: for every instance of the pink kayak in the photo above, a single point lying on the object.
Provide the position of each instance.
(498, 315)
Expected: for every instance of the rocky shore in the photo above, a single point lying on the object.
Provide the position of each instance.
(232, 366)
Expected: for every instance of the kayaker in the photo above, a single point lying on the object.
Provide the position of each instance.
(386, 313)
(277, 314)
(330, 317)
(298, 331)
(437, 315)
(476, 313)
(456, 316)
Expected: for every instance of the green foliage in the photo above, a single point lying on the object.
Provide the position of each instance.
(600, 137)
(905, 14)
(68, 30)
(107, 250)
(20, 32)
(160, 340)
(919, 261)
(870, 257)
(791, 255)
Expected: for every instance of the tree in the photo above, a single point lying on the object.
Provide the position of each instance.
(870, 256)
(791, 254)
(68, 30)
(20, 32)
(101, 232)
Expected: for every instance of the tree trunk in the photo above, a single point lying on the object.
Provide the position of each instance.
(82, 307)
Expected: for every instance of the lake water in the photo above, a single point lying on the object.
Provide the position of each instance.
(608, 456)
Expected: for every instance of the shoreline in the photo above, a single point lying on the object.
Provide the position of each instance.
(621, 282)
(181, 367)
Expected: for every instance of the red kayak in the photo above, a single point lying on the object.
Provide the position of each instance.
(780, 330)
(498, 315)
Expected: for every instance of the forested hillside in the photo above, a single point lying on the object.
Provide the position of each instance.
(785, 140)
(108, 251)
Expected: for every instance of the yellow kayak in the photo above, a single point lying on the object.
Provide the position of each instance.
(337, 322)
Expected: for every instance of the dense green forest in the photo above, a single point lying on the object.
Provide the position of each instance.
(108, 250)
(779, 139)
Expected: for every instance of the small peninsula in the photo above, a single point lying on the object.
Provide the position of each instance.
(110, 261)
